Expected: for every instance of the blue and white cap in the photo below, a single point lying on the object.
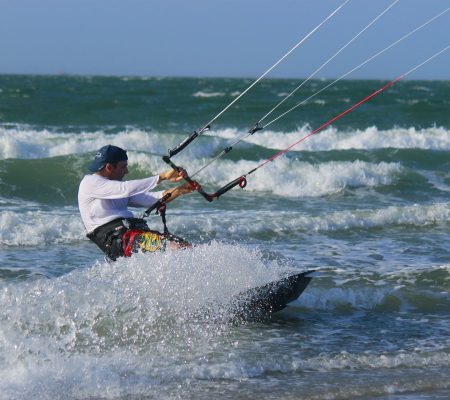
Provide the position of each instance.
(107, 154)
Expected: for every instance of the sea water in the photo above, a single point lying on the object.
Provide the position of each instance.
(366, 203)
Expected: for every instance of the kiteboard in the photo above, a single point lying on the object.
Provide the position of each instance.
(270, 298)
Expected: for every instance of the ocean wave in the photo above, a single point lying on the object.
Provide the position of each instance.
(287, 224)
(433, 138)
(415, 215)
(286, 177)
(35, 228)
(380, 288)
(387, 299)
(131, 323)
(127, 328)
(28, 143)
(86, 308)
(296, 362)
(122, 375)
(292, 178)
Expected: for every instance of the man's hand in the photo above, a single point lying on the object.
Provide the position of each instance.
(172, 175)
(179, 190)
(186, 188)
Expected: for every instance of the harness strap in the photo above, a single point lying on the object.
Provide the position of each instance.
(162, 211)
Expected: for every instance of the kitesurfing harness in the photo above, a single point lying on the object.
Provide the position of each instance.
(122, 237)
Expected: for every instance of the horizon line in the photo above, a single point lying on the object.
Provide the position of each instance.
(161, 77)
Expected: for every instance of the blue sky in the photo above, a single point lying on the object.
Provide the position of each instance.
(229, 38)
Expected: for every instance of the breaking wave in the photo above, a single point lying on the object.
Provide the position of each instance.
(26, 142)
(433, 138)
(46, 227)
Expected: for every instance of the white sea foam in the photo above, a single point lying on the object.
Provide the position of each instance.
(434, 138)
(320, 102)
(140, 304)
(25, 142)
(416, 215)
(129, 328)
(39, 228)
(286, 177)
(437, 179)
(292, 178)
(144, 303)
(358, 298)
(28, 143)
(289, 223)
(122, 375)
(35, 228)
(208, 94)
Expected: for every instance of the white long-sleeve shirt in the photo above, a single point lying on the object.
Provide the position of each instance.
(102, 200)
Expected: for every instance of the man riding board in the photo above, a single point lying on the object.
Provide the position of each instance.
(103, 199)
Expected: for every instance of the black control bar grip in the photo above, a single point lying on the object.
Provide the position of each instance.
(241, 181)
(183, 144)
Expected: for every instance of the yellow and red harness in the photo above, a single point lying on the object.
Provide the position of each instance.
(135, 240)
(124, 236)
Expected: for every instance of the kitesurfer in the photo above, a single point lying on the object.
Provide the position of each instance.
(103, 200)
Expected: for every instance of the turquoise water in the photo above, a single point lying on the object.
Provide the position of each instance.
(366, 202)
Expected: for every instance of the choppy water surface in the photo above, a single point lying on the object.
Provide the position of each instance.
(365, 202)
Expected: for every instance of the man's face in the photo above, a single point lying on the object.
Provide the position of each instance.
(116, 173)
